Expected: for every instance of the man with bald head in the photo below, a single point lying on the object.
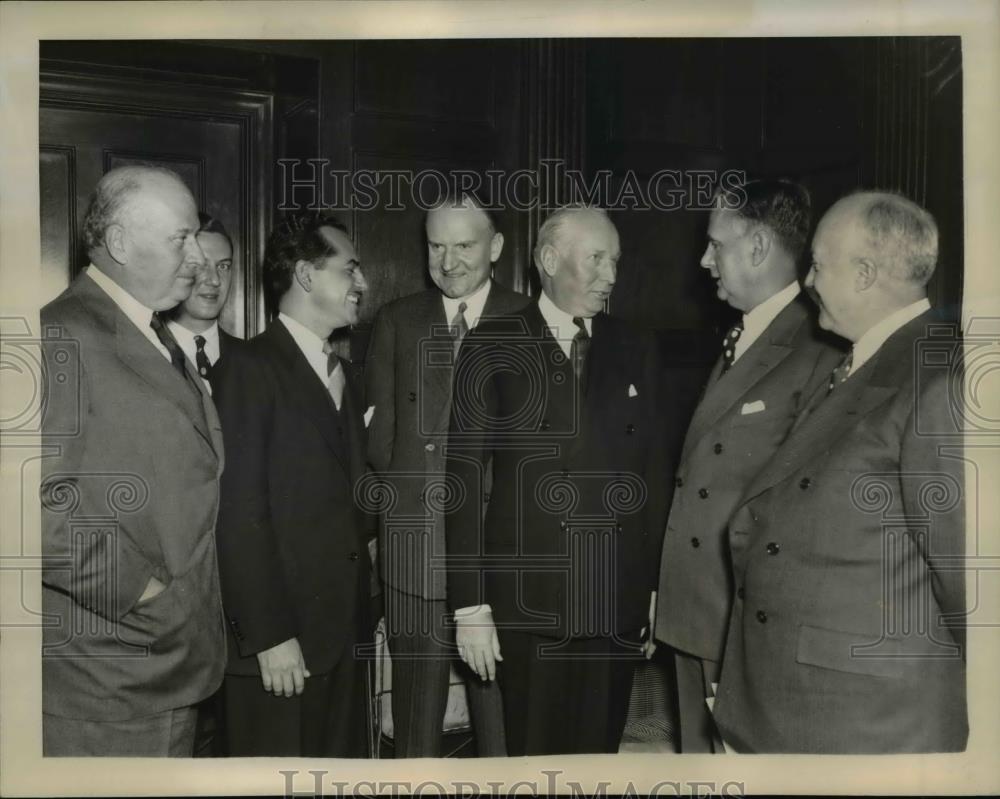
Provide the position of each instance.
(411, 397)
(847, 632)
(131, 490)
(552, 590)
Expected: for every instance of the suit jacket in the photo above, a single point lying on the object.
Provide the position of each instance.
(847, 630)
(409, 375)
(724, 448)
(292, 549)
(131, 492)
(576, 514)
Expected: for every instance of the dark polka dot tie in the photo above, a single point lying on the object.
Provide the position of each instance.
(842, 372)
(729, 346)
(201, 358)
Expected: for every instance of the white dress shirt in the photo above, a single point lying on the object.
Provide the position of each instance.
(756, 321)
(873, 338)
(186, 339)
(310, 344)
(474, 305)
(137, 313)
(560, 323)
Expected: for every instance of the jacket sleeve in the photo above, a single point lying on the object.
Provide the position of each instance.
(380, 380)
(661, 457)
(254, 593)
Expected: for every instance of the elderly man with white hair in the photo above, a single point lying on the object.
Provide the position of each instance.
(847, 633)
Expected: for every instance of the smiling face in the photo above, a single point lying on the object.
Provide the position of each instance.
(833, 279)
(728, 258)
(337, 284)
(155, 243)
(212, 282)
(461, 249)
(582, 265)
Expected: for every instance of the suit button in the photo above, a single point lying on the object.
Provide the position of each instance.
(717, 449)
(412, 396)
(630, 429)
(678, 481)
(741, 592)
(804, 483)
(773, 548)
(429, 447)
(486, 497)
(761, 617)
(353, 556)
(703, 493)
(618, 528)
(695, 542)
(562, 525)
(545, 424)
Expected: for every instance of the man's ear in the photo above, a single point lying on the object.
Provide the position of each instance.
(760, 245)
(303, 274)
(496, 247)
(115, 242)
(865, 275)
(548, 258)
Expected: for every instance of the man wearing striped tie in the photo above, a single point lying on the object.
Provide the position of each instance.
(195, 322)
(292, 544)
(409, 373)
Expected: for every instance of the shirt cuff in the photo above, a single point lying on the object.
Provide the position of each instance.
(472, 610)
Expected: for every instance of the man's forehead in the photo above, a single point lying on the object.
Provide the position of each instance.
(468, 215)
(338, 240)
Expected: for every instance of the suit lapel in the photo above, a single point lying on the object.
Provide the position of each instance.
(307, 391)
(765, 354)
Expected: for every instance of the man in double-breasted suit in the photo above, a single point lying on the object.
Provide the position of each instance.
(195, 322)
(130, 487)
(771, 359)
(552, 591)
(409, 375)
(293, 550)
(847, 630)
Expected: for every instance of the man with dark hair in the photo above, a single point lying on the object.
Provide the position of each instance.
(847, 633)
(292, 545)
(129, 499)
(552, 590)
(772, 358)
(410, 390)
(195, 322)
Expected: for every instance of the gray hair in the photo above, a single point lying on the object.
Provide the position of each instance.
(903, 235)
(112, 196)
(554, 226)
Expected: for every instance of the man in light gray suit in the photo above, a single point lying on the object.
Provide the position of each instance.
(129, 500)
(770, 360)
(409, 377)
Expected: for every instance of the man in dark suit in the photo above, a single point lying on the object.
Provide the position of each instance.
(409, 388)
(292, 544)
(847, 630)
(195, 322)
(564, 402)
(771, 358)
(129, 501)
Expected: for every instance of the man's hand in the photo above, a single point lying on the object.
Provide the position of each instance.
(649, 644)
(282, 669)
(153, 588)
(478, 645)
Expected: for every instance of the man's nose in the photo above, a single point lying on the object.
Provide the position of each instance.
(707, 258)
(210, 274)
(360, 283)
(810, 280)
(450, 259)
(193, 252)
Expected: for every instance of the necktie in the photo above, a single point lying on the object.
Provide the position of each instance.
(578, 352)
(169, 342)
(459, 327)
(335, 379)
(729, 346)
(201, 358)
(842, 372)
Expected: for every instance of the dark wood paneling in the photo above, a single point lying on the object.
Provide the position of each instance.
(57, 175)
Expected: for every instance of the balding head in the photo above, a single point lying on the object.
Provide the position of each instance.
(140, 229)
(873, 254)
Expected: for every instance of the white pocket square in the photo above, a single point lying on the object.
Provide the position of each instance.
(631, 391)
(369, 414)
(752, 407)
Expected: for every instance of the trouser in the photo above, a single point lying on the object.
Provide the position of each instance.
(166, 734)
(422, 646)
(694, 683)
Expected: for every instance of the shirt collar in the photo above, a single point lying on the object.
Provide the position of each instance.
(873, 338)
(560, 322)
(183, 335)
(474, 305)
(138, 313)
(756, 320)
